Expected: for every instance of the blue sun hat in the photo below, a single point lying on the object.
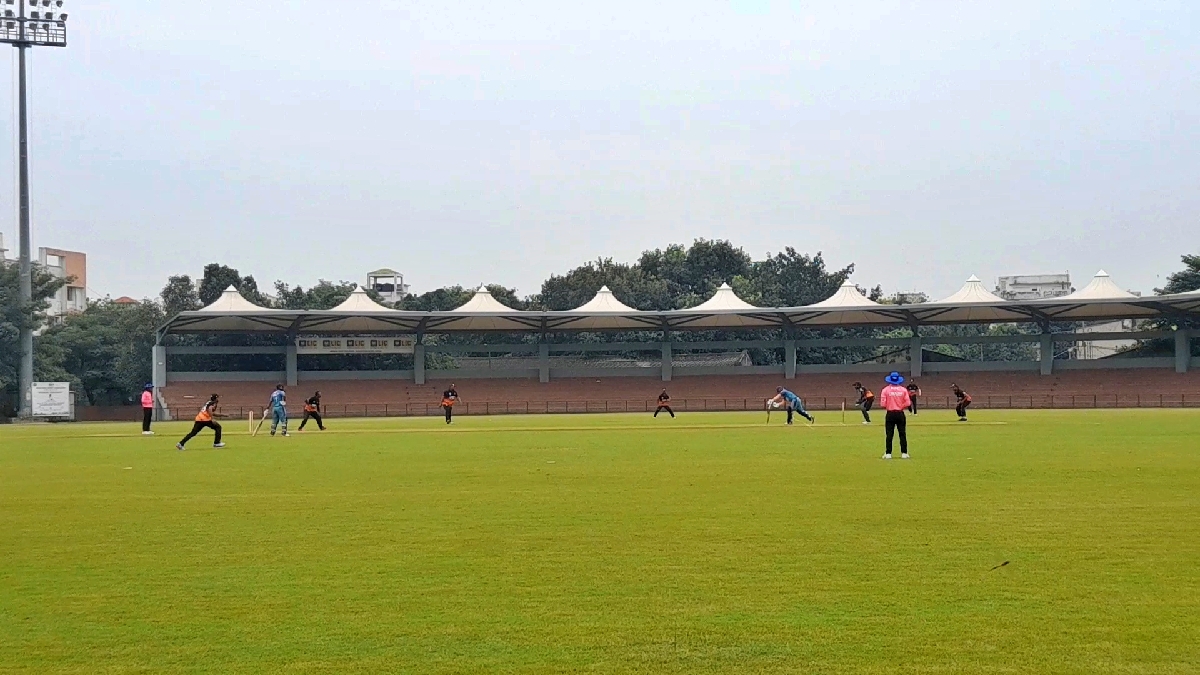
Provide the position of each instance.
(894, 378)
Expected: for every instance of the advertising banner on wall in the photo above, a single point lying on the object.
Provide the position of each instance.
(355, 344)
(51, 399)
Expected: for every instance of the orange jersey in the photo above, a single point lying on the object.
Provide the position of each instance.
(206, 413)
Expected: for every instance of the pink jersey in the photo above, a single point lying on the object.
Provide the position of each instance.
(147, 399)
(895, 398)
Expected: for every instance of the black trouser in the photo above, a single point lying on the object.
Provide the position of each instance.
(894, 422)
(913, 408)
(866, 408)
(147, 418)
(661, 408)
(449, 412)
(198, 427)
(961, 409)
(315, 416)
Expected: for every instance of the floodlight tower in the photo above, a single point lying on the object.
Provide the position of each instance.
(25, 24)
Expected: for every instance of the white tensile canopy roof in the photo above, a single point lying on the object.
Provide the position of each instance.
(232, 301)
(482, 303)
(604, 302)
(604, 312)
(483, 313)
(974, 303)
(1100, 288)
(726, 310)
(723, 300)
(971, 292)
(359, 313)
(1100, 300)
(846, 296)
(359, 301)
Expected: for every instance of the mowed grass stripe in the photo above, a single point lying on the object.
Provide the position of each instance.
(721, 548)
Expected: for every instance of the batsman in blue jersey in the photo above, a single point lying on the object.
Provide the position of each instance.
(793, 403)
(278, 408)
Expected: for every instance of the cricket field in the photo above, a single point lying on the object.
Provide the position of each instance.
(1019, 542)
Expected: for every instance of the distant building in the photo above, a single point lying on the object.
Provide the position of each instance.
(125, 300)
(388, 283)
(1034, 286)
(1100, 349)
(3, 251)
(70, 265)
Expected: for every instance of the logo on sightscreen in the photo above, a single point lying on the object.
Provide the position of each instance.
(355, 344)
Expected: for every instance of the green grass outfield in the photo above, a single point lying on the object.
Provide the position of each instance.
(607, 544)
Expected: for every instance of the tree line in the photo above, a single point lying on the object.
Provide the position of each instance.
(104, 351)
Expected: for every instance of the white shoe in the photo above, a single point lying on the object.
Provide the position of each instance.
(147, 433)
(218, 445)
(904, 456)
(887, 455)
(866, 422)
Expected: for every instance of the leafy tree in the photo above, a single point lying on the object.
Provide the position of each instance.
(1185, 280)
(105, 350)
(179, 295)
(692, 274)
(792, 279)
(219, 277)
(13, 316)
(325, 295)
(631, 284)
(439, 300)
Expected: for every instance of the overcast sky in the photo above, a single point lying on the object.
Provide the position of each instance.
(471, 142)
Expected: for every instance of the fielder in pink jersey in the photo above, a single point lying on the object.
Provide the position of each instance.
(895, 400)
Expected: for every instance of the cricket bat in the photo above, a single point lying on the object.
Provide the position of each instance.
(260, 423)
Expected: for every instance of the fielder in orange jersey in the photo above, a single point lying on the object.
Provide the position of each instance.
(866, 399)
(449, 399)
(204, 419)
(963, 399)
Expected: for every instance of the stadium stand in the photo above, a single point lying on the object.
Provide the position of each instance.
(1077, 389)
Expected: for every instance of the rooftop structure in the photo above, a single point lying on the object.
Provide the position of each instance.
(1033, 286)
(388, 283)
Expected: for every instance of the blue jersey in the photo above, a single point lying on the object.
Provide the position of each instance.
(792, 399)
(278, 399)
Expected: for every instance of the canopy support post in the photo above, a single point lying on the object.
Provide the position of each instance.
(666, 359)
(1183, 349)
(789, 356)
(916, 355)
(419, 359)
(1047, 353)
(543, 362)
